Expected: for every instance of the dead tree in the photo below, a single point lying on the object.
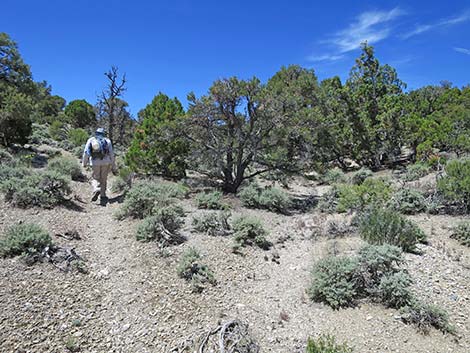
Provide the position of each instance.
(109, 98)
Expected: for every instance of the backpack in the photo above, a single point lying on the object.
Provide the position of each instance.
(99, 148)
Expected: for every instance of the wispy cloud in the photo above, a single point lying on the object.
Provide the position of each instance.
(462, 50)
(464, 17)
(324, 57)
(370, 26)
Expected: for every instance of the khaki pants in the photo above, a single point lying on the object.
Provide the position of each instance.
(100, 178)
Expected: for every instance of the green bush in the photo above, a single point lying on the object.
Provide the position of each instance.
(416, 171)
(10, 171)
(384, 226)
(344, 197)
(57, 130)
(250, 231)
(210, 200)
(212, 223)
(462, 233)
(40, 135)
(44, 189)
(24, 239)
(271, 198)
(78, 137)
(162, 227)
(361, 175)
(455, 185)
(334, 281)
(333, 176)
(326, 344)
(426, 316)
(145, 196)
(5, 157)
(408, 201)
(394, 290)
(192, 270)
(67, 166)
(340, 281)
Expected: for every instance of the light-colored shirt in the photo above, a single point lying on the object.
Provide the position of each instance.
(107, 159)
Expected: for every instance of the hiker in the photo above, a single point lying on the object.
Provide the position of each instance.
(99, 154)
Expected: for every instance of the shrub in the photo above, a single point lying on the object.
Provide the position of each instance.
(250, 231)
(408, 201)
(24, 239)
(271, 198)
(144, 197)
(212, 223)
(123, 181)
(210, 200)
(40, 135)
(45, 189)
(344, 197)
(57, 131)
(426, 316)
(333, 281)
(333, 176)
(78, 137)
(416, 171)
(67, 166)
(375, 261)
(326, 344)
(462, 233)
(192, 270)
(78, 151)
(8, 172)
(383, 226)
(394, 290)
(162, 227)
(249, 195)
(455, 185)
(5, 157)
(361, 175)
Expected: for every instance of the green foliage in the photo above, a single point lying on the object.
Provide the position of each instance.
(333, 176)
(462, 233)
(408, 201)
(210, 201)
(270, 198)
(426, 316)
(40, 135)
(326, 344)
(192, 270)
(147, 196)
(158, 147)
(78, 137)
(24, 239)
(80, 113)
(212, 223)
(455, 185)
(374, 272)
(5, 158)
(394, 290)
(361, 175)
(162, 226)
(250, 231)
(384, 226)
(57, 130)
(44, 189)
(67, 166)
(13, 171)
(333, 281)
(345, 197)
(416, 171)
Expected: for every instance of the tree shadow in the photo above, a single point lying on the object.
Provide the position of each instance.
(304, 203)
(73, 206)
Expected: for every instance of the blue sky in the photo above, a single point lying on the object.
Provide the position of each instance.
(181, 45)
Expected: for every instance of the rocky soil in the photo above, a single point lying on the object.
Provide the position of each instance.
(133, 301)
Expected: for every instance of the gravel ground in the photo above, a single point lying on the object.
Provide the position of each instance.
(133, 301)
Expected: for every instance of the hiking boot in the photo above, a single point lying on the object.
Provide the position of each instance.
(95, 195)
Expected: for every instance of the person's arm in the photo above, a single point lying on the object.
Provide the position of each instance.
(86, 154)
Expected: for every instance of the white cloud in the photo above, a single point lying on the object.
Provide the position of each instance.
(464, 17)
(462, 50)
(325, 57)
(370, 26)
